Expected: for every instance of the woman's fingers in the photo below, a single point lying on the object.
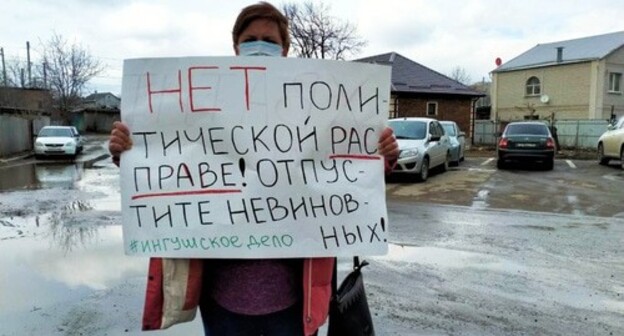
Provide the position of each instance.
(119, 140)
(388, 145)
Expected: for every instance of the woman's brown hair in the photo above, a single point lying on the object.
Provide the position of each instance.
(261, 10)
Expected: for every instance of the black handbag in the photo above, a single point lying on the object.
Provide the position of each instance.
(349, 314)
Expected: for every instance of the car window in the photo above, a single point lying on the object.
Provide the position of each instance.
(528, 129)
(449, 129)
(406, 129)
(55, 132)
(437, 129)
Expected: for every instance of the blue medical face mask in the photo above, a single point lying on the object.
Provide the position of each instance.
(259, 48)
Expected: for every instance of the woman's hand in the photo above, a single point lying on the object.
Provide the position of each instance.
(388, 146)
(119, 140)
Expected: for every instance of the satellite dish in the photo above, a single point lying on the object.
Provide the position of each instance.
(544, 99)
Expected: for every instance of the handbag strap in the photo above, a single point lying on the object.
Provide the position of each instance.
(356, 265)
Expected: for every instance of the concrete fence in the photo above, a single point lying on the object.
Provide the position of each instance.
(572, 134)
(17, 134)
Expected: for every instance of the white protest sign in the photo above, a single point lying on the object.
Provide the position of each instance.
(253, 157)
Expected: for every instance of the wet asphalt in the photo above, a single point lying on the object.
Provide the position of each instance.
(473, 251)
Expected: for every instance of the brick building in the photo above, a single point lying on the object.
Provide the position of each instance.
(418, 91)
(25, 101)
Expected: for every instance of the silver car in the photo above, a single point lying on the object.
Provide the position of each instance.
(423, 145)
(457, 140)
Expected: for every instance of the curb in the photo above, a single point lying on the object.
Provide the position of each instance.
(15, 158)
(89, 163)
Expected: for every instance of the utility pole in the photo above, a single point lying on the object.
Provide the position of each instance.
(45, 75)
(28, 64)
(4, 78)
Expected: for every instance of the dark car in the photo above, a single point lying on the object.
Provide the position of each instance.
(526, 141)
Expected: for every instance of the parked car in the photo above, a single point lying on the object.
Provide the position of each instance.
(423, 145)
(79, 137)
(526, 141)
(611, 144)
(457, 141)
(58, 141)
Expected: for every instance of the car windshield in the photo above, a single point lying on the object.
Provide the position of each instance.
(449, 129)
(527, 129)
(56, 132)
(406, 129)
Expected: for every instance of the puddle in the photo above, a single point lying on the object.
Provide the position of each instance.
(62, 264)
(617, 177)
(38, 271)
(480, 200)
(39, 176)
(451, 258)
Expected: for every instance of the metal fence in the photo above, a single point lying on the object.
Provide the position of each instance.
(572, 134)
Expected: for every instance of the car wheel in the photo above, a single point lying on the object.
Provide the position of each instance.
(622, 157)
(461, 155)
(601, 157)
(424, 170)
(456, 162)
(500, 164)
(549, 164)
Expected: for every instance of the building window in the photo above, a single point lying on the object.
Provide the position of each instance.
(432, 109)
(394, 107)
(615, 81)
(533, 87)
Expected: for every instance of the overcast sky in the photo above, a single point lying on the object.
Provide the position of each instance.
(440, 35)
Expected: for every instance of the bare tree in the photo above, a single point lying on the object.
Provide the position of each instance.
(461, 75)
(317, 34)
(15, 73)
(66, 69)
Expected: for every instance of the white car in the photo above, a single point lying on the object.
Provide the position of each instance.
(611, 144)
(423, 145)
(58, 141)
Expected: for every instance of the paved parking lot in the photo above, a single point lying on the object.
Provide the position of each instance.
(473, 251)
(580, 187)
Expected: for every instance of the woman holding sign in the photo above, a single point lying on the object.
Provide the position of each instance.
(243, 297)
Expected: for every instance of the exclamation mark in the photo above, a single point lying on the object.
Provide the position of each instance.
(241, 166)
(383, 227)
